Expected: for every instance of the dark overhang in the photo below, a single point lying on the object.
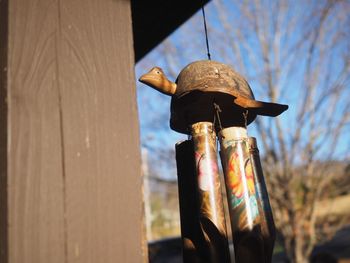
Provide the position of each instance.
(154, 20)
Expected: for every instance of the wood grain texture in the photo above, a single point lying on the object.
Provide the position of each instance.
(36, 225)
(73, 176)
(3, 131)
(101, 132)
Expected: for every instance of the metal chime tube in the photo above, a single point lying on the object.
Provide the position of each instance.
(267, 223)
(244, 206)
(211, 210)
(193, 241)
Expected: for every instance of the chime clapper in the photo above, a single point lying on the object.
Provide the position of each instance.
(156, 79)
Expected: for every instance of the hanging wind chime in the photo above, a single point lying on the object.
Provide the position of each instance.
(209, 101)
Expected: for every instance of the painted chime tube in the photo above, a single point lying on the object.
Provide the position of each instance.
(267, 223)
(243, 201)
(211, 209)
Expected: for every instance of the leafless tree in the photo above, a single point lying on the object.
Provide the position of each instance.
(298, 53)
(295, 52)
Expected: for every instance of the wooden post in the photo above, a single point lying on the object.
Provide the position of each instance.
(69, 141)
(3, 132)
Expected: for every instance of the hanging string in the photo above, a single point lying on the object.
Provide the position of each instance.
(206, 32)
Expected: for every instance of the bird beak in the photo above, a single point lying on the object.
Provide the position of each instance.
(144, 78)
(148, 79)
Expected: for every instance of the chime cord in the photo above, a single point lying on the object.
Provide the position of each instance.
(206, 32)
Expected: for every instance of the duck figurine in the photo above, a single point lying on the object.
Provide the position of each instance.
(211, 76)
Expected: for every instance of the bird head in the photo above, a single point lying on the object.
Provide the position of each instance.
(155, 78)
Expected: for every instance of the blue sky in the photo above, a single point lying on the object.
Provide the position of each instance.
(189, 45)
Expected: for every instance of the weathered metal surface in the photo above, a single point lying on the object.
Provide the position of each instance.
(211, 206)
(188, 202)
(268, 229)
(201, 205)
(246, 211)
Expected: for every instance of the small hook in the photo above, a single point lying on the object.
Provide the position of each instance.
(245, 115)
(217, 115)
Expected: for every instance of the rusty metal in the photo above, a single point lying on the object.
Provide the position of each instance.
(201, 206)
(194, 245)
(211, 209)
(204, 142)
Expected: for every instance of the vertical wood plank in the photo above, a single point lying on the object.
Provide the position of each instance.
(102, 159)
(3, 131)
(35, 184)
(70, 142)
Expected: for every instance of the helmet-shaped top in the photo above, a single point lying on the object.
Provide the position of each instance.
(211, 76)
(203, 85)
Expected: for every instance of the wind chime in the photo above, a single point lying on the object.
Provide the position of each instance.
(209, 101)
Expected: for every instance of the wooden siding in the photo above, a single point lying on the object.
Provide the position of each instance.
(72, 179)
(3, 132)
